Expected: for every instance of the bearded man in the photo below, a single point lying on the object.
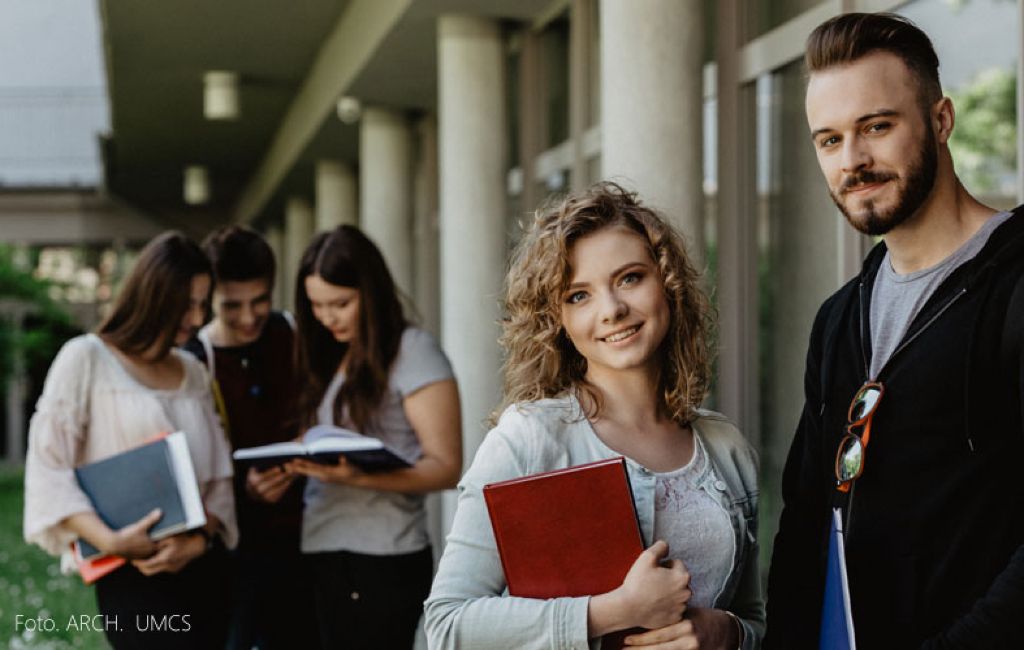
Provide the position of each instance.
(912, 425)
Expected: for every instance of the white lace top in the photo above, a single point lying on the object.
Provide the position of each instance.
(91, 408)
(699, 528)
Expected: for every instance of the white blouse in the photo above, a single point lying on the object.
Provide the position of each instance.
(698, 527)
(92, 408)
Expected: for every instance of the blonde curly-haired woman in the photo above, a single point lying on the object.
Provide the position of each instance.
(606, 334)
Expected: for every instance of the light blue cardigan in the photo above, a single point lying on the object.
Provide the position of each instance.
(469, 606)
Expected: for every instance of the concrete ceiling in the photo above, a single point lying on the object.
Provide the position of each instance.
(157, 53)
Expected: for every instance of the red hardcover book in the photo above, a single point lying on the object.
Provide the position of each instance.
(570, 532)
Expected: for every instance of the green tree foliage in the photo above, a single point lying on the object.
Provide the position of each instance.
(984, 142)
(49, 322)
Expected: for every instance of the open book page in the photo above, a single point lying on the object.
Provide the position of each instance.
(322, 431)
(273, 450)
(324, 444)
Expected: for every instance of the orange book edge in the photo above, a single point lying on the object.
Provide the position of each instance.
(93, 570)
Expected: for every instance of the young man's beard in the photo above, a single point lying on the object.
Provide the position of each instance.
(920, 179)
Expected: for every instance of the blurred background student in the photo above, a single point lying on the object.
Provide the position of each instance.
(367, 369)
(606, 334)
(113, 390)
(248, 348)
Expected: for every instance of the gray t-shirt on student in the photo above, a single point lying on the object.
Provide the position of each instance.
(896, 299)
(345, 518)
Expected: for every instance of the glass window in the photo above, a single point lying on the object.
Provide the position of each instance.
(554, 46)
(977, 46)
(513, 56)
(594, 112)
(594, 169)
(765, 15)
(797, 227)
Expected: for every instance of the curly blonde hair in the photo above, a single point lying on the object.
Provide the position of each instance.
(541, 361)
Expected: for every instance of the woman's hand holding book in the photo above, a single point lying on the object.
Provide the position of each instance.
(653, 595)
(269, 485)
(172, 554)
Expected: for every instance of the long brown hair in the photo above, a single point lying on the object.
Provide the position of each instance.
(155, 296)
(541, 361)
(345, 257)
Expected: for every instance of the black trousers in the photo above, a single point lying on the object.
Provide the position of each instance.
(366, 602)
(273, 605)
(188, 609)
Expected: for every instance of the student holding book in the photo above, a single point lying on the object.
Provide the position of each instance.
(109, 392)
(248, 348)
(369, 370)
(606, 334)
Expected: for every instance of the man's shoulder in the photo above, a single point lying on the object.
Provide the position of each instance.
(279, 329)
(867, 272)
(832, 307)
(1006, 243)
(195, 347)
(281, 320)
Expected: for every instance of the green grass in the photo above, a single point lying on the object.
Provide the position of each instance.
(32, 586)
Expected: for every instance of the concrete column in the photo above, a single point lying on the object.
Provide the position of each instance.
(298, 230)
(472, 146)
(282, 284)
(336, 192)
(385, 189)
(651, 96)
(426, 284)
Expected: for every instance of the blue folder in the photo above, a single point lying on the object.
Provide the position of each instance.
(836, 616)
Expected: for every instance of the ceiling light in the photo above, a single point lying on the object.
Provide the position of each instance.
(197, 185)
(349, 110)
(220, 95)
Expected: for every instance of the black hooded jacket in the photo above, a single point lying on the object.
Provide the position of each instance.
(935, 533)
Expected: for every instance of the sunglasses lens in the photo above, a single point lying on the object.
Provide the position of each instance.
(865, 402)
(851, 459)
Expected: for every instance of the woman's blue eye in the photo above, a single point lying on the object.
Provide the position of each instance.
(631, 278)
(576, 297)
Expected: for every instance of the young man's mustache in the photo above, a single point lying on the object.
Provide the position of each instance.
(864, 178)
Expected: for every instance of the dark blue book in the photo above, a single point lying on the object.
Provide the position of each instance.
(126, 487)
(325, 444)
(836, 615)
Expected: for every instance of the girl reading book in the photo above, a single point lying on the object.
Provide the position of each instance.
(606, 335)
(113, 390)
(370, 371)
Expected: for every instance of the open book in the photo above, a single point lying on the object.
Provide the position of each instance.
(127, 486)
(325, 444)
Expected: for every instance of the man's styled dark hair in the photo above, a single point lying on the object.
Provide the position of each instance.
(239, 254)
(148, 310)
(848, 37)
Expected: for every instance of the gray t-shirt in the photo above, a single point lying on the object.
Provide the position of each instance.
(345, 518)
(896, 299)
